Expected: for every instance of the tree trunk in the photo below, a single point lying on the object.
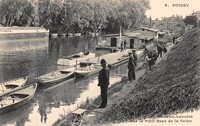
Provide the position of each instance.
(11, 21)
(8, 20)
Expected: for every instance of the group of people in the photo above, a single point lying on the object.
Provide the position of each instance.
(151, 55)
(103, 78)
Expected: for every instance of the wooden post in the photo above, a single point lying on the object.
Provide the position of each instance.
(98, 58)
(76, 64)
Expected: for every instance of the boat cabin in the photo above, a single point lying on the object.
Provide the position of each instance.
(137, 40)
(113, 40)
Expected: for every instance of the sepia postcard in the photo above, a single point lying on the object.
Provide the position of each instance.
(99, 62)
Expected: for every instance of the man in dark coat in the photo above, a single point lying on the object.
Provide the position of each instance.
(174, 39)
(125, 43)
(103, 83)
(131, 67)
(159, 49)
(135, 56)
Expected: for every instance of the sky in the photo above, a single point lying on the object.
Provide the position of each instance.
(158, 9)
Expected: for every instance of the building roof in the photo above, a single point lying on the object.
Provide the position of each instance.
(139, 36)
(150, 29)
(112, 35)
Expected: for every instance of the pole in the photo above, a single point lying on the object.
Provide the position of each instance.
(76, 64)
(120, 36)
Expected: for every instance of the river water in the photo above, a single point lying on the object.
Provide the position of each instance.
(39, 56)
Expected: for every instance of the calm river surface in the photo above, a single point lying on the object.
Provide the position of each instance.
(39, 56)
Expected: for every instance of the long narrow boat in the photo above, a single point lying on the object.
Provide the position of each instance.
(12, 84)
(54, 77)
(17, 97)
(84, 69)
(75, 59)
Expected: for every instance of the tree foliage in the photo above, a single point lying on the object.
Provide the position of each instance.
(190, 20)
(74, 15)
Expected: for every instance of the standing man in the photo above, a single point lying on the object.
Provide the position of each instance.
(174, 39)
(159, 49)
(125, 44)
(122, 46)
(131, 67)
(135, 57)
(103, 83)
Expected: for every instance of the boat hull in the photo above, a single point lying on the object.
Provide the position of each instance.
(50, 81)
(74, 61)
(12, 84)
(19, 102)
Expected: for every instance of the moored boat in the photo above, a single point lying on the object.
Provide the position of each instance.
(12, 84)
(54, 77)
(75, 59)
(17, 97)
(54, 35)
(77, 34)
(84, 69)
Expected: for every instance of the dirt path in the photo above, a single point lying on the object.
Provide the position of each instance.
(116, 97)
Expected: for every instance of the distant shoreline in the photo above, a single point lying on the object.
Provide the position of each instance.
(12, 33)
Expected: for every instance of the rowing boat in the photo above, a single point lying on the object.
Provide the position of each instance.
(75, 59)
(17, 97)
(84, 69)
(54, 77)
(12, 84)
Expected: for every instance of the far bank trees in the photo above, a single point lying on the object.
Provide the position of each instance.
(74, 15)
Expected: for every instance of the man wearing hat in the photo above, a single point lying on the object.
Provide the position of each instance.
(135, 57)
(131, 67)
(103, 79)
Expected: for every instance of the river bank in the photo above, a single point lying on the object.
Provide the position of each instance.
(116, 93)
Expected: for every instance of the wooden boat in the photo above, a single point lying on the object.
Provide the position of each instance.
(54, 77)
(12, 84)
(84, 69)
(75, 59)
(16, 98)
(70, 34)
(54, 35)
(77, 34)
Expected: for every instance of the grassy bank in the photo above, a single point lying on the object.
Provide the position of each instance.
(170, 88)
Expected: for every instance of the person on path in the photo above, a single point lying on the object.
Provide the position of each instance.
(159, 49)
(149, 60)
(174, 39)
(145, 52)
(104, 81)
(135, 56)
(122, 46)
(125, 43)
(131, 67)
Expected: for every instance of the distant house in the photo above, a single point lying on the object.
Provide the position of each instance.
(137, 40)
(113, 40)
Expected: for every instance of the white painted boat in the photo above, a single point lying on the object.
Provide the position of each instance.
(54, 35)
(77, 34)
(54, 77)
(84, 69)
(70, 34)
(17, 97)
(12, 84)
(74, 59)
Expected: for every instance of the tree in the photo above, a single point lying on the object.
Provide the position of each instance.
(13, 11)
(190, 20)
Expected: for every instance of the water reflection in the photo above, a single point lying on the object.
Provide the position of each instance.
(18, 116)
(49, 103)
